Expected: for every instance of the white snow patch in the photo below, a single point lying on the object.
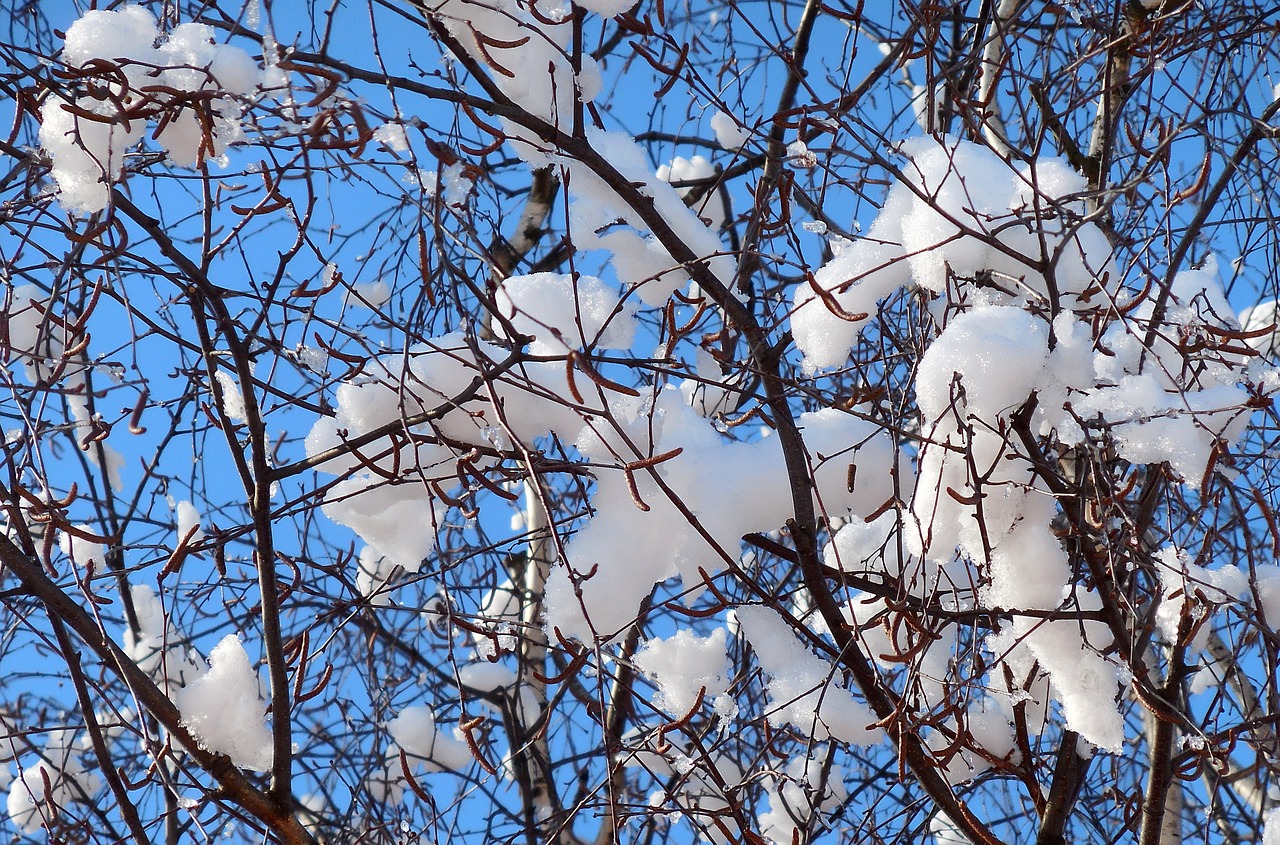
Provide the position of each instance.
(802, 688)
(684, 665)
(224, 710)
(729, 133)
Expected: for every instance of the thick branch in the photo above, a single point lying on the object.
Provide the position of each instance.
(993, 129)
(1160, 775)
(1115, 90)
(1068, 777)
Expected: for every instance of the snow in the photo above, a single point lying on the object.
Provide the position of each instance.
(99, 452)
(977, 503)
(607, 8)
(62, 764)
(1189, 593)
(458, 184)
(38, 338)
(529, 58)
(313, 808)
(801, 156)
(392, 136)
(625, 549)
(398, 521)
(1164, 407)
(976, 349)
(711, 208)
(953, 187)
(224, 709)
(498, 616)
(80, 549)
(369, 294)
(858, 546)
(857, 278)
(802, 690)
(122, 34)
(965, 375)
(232, 398)
(596, 212)
(792, 799)
(486, 676)
(1023, 293)
(989, 731)
(871, 550)
(88, 154)
(32, 338)
(1266, 585)
(156, 647)
(1153, 425)
(700, 783)
(685, 664)
(1086, 683)
(564, 312)
(1262, 318)
(943, 831)
(392, 509)
(415, 730)
(1026, 320)
(729, 133)
(844, 446)
(314, 359)
(386, 493)
(938, 223)
(375, 575)
(1002, 522)
(188, 518)
(969, 229)
(1271, 827)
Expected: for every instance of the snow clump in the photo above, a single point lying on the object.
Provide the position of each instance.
(729, 134)
(224, 709)
(960, 216)
(564, 312)
(57, 778)
(425, 745)
(190, 86)
(802, 688)
(686, 666)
